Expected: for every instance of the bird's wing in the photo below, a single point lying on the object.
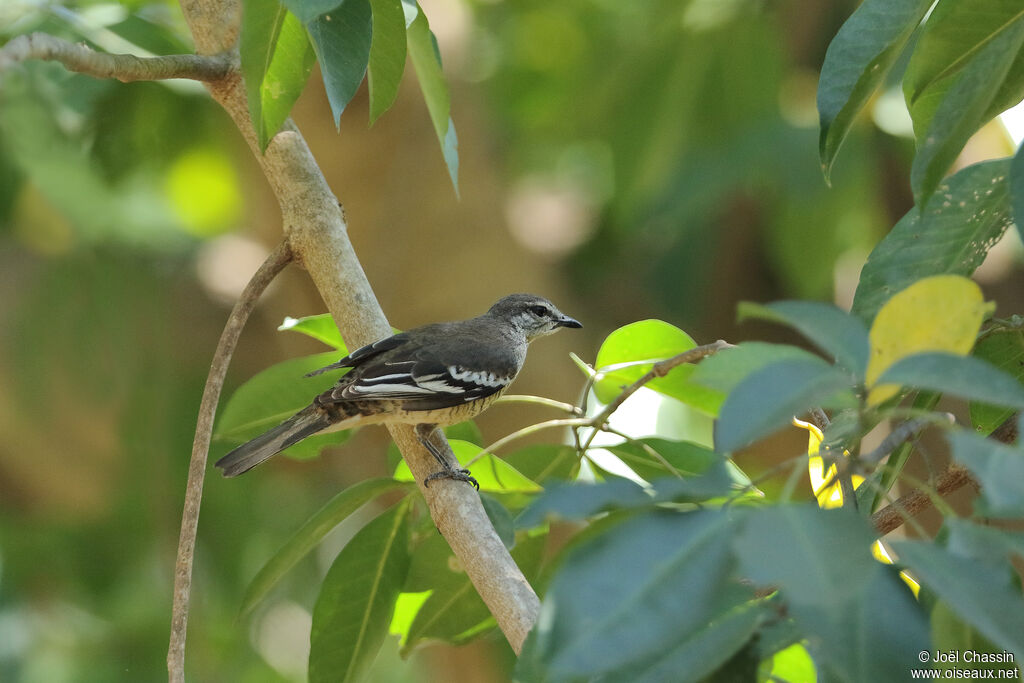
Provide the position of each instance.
(428, 376)
(364, 353)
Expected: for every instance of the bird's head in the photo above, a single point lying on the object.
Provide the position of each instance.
(532, 315)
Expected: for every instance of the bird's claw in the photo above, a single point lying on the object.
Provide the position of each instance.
(457, 475)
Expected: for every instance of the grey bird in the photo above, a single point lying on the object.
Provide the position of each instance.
(429, 376)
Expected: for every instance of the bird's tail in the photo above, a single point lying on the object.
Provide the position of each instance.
(306, 422)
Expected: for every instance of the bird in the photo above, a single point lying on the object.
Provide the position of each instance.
(430, 376)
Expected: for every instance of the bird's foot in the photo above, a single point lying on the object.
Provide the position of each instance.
(457, 475)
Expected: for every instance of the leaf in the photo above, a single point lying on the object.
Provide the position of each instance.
(939, 313)
(998, 467)
(962, 110)
(951, 237)
(964, 376)
(320, 327)
(308, 10)
(836, 332)
(312, 531)
(680, 578)
(580, 501)
(768, 399)
(1004, 350)
(649, 340)
(501, 520)
(981, 594)
(387, 55)
(453, 612)
(426, 60)
(276, 62)
(544, 462)
(357, 598)
(275, 394)
(493, 474)
(341, 38)
(954, 36)
(683, 457)
(1017, 189)
(857, 60)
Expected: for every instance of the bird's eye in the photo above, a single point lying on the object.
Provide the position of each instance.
(539, 311)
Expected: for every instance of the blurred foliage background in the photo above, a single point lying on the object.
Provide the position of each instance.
(656, 158)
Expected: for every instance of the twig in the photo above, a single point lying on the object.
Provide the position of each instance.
(892, 516)
(125, 68)
(274, 264)
(902, 434)
(659, 369)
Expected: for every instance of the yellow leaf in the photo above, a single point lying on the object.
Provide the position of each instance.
(939, 313)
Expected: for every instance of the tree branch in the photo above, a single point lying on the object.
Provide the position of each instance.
(892, 516)
(83, 59)
(274, 264)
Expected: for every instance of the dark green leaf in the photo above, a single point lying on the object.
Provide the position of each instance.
(767, 400)
(579, 501)
(699, 654)
(426, 59)
(1004, 350)
(839, 334)
(543, 462)
(683, 457)
(276, 62)
(984, 543)
(387, 55)
(962, 108)
(275, 394)
(624, 597)
(817, 557)
(951, 633)
(307, 10)
(320, 327)
(998, 467)
(982, 594)
(341, 38)
(1017, 189)
(311, 533)
(964, 376)
(951, 237)
(357, 597)
(857, 60)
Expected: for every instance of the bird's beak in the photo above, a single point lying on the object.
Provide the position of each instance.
(566, 321)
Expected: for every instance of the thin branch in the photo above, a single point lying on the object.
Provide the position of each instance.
(903, 433)
(274, 264)
(892, 516)
(83, 59)
(659, 369)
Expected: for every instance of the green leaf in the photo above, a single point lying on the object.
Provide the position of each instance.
(839, 334)
(311, 533)
(595, 620)
(950, 632)
(649, 340)
(683, 457)
(954, 36)
(426, 59)
(493, 474)
(341, 38)
(320, 327)
(580, 501)
(1004, 350)
(308, 10)
(276, 62)
(767, 400)
(1017, 189)
(951, 237)
(999, 468)
(723, 371)
(357, 598)
(964, 106)
(501, 520)
(982, 594)
(699, 654)
(454, 612)
(387, 55)
(963, 376)
(857, 60)
(275, 394)
(544, 462)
